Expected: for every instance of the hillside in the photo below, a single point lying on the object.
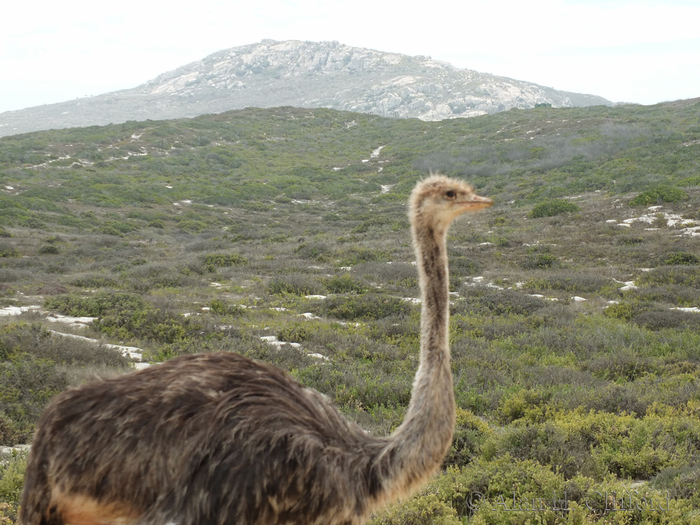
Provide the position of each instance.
(301, 74)
(282, 234)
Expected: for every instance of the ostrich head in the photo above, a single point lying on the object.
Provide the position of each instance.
(438, 200)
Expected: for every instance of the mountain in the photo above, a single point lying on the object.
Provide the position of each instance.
(302, 74)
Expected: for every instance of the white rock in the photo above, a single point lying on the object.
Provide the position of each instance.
(17, 310)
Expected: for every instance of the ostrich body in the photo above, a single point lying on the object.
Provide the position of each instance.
(222, 439)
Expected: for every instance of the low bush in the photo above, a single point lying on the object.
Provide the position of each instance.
(501, 302)
(110, 230)
(223, 260)
(295, 284)
(344, 283)
(671, 294)
(677, 275)
(26, 386)
(658, 319)
(150, 324)
(359, 254)
(12, 471)
(616, 399)
(526, 404)
(365, 307)
(149, 276)
(540, 261)
(98, 305)
(22, 339)
(629, 241)
(294, 333)
(622, 366)
(625, 311)
(659, 195)
(315, 251)
(680, 482)
(49, 249)
(469, 435)
(8, 251)
(553, 207)
(95, 281)
(421, 510)
(569, 282)
(678, 258)
(219, 307)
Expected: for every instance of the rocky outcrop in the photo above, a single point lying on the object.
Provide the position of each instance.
(302, 74)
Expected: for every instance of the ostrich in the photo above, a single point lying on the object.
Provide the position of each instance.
(221, 439)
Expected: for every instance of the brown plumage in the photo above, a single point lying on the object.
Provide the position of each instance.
(221, 439)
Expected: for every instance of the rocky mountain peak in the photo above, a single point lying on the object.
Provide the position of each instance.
(302, 74)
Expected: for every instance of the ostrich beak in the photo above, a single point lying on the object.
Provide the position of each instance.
(475, 203)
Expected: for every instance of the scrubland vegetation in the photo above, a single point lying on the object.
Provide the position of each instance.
(575, 333)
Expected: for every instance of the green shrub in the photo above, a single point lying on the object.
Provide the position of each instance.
(360, 254)
(26, 386)
(49, 249)
(659, 195)
(294, 333)
(120, 226)
(681, 258)
(295, 284)
(421, 510)
(149, 276)
(11, 433)
(18, 340)
(526, 404)
(552, 207)
(12, 471)
(366, 307)
(223, 260)
(192, 226)
(681, 482)
(673, 275)
(96, 306)
(8, 251)
(540, 261)
(316, 251)
(659, 319)
(469, 435)
(667, 294)
(257, 206)
(616, 399)
(502, 302)
(624, 311)
(629, 241)
(365, 226)
(4, 232)
(219, 307)
(95, 281)
(570, 282)
(481, 484)
(109, 230)
(150, 324)
(344, 283)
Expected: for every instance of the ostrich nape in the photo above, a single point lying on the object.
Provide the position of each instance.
(220, 438)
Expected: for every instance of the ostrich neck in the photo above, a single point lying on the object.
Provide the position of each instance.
(421, 441)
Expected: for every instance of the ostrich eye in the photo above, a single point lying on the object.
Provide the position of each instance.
(451, 194)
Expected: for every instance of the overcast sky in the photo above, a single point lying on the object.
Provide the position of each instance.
(632, 51)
